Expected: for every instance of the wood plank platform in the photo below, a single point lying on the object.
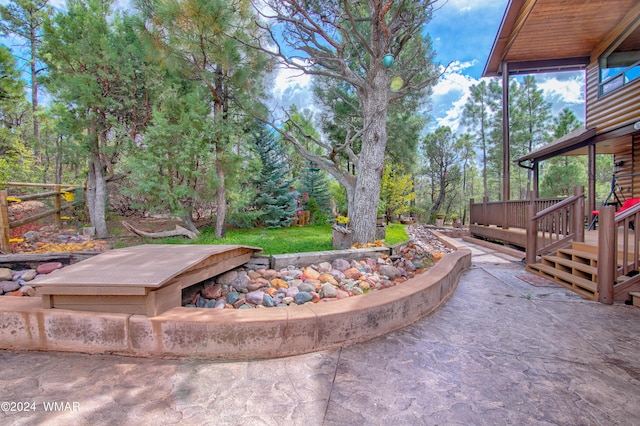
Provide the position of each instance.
(146, 279)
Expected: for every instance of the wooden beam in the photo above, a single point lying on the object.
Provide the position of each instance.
(623, 29)
(523, 14)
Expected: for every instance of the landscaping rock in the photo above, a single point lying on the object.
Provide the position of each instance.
(324, 267)
(255, 297)
(262, 288)
(352, 273)
(268, 301)
(9, 286)
(212, 291)
(306, 287)
(327, 278)
(279, 283)
(311, 273)
(340, 264)
(329, 290)
(6, 274)
(227, 278)
(302, 297)
(29, 274)
(390, 272)
(47, 268)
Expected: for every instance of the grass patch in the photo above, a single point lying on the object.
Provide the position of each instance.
(290, 240)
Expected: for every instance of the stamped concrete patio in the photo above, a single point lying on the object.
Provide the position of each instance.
(507, 348)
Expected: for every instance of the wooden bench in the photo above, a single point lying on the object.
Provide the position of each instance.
(146, 279)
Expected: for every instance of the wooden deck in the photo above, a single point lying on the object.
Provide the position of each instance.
(146, 279)
(517, 236)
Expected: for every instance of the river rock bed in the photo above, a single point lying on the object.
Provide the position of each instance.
(244, 288)
(17, 282)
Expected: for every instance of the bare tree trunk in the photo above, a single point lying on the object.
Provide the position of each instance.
(221, 200)
(97, 196)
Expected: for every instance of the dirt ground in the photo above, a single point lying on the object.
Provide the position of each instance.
(43, 236)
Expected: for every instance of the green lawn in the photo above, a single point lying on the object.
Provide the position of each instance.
(291, 240)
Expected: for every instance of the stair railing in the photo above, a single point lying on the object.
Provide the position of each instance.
(618, 251)
(556, 226)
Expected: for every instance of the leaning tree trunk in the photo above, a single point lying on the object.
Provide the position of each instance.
(370, 162)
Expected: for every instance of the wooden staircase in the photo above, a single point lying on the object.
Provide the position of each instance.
(575, 268)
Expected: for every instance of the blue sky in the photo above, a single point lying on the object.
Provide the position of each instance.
(462, 32)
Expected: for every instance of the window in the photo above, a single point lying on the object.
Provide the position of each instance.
(620, 64)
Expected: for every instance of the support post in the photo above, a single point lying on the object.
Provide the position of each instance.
(58, 205)
(506, 154)
(536, 181)
(578, 215)
(4, 222)
(607, 250)
(591, 184)
(532, 234)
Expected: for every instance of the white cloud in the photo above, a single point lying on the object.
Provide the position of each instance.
(569, 91)
(467, 5)
(287, 78)
(451, 93)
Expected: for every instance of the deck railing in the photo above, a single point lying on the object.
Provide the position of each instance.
(506, 214)
(618, 252)
(555, 226)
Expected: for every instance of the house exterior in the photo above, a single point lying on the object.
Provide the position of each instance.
(602, 39)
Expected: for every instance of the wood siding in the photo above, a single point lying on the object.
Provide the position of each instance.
(616, 109)
(629, 176)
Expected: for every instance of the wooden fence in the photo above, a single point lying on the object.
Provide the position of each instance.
(63, 197)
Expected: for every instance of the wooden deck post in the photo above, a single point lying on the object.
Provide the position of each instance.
(485, 200)
(607, 248)
(532, 234)
(4, 222)
(58, 205)
(578, 215)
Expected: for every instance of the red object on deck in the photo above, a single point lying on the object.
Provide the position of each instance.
(628, 203)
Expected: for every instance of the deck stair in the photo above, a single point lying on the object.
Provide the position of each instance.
(575, 268)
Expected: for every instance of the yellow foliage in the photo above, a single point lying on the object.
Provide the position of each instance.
(64, 247)
(377, 243)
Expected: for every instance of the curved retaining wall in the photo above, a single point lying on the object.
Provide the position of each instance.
(232, 334)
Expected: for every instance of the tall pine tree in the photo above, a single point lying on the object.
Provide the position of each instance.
(314, 184)
(276, 200)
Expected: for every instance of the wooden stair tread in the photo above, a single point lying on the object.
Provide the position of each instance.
(585, 247)
(579, 253)
(572, 264)
(565, 276)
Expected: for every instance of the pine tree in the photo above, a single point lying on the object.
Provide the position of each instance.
(275, 198)
(314, 184)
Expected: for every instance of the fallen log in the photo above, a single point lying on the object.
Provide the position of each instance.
(178, 232)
